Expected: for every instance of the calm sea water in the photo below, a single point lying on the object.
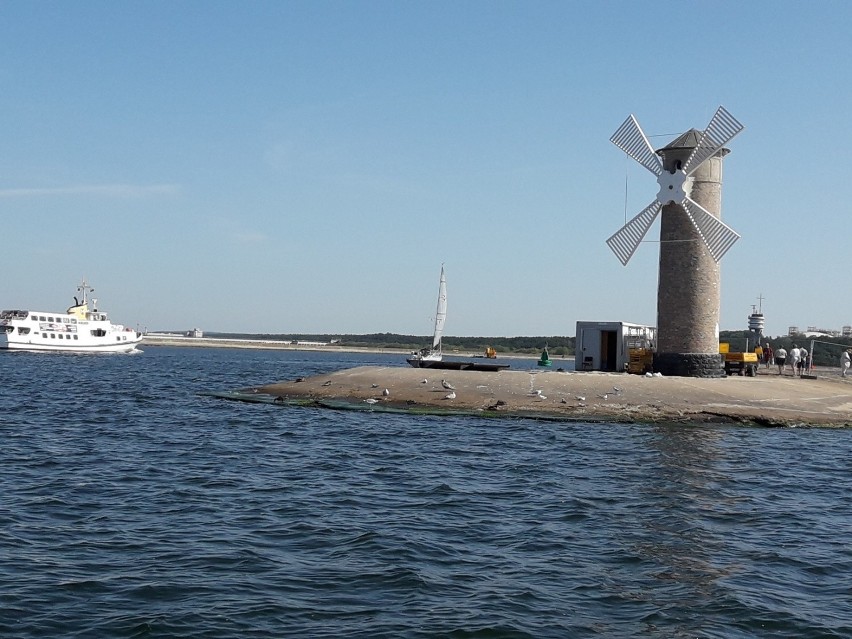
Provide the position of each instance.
(130, 506)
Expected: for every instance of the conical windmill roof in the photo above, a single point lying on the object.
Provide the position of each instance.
(688, 140)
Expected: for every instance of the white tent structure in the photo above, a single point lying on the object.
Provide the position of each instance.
(606, 346)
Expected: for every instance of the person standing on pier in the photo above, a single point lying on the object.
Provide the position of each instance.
(795, 354)
(845, 361)
(803, 360)
(781, 359)
(768, 355)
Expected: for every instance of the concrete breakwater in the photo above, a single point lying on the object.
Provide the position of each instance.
(765, 400)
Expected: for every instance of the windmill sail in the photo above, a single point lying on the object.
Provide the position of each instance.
(440, 313)
(723, 127)
(717, 236)
(632, 140)
(626, 240)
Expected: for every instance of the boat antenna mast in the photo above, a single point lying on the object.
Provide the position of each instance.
(84, 289)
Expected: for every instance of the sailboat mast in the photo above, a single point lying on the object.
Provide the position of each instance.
(440, 312)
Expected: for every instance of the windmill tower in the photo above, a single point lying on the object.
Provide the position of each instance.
(692, 240)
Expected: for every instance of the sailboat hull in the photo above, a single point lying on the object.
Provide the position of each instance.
(425, 361)
(456, 365)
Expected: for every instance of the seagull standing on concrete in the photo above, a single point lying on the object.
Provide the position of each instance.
(447, 385)
(450, 395)
(386, 392)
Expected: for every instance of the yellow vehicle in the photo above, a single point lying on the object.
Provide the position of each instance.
(738, 363)
(640, 350)
(641, 361)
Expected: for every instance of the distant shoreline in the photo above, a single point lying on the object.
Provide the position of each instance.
(271, 344)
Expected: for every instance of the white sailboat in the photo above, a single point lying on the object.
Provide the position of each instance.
(431, 354)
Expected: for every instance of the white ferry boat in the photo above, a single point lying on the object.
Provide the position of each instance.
(77, 330)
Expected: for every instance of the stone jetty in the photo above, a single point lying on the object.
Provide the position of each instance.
(768, 399)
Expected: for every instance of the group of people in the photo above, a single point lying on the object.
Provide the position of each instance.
(798, 359)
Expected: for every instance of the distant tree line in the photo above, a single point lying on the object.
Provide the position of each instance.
(557, 345)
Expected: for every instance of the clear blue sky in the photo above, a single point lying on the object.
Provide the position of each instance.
(307, 166)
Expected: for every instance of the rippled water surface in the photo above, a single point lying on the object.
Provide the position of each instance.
(130, 506)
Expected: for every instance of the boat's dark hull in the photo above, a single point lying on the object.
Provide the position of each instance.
(456, 365)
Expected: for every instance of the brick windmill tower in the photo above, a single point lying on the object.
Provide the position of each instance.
(692, 240)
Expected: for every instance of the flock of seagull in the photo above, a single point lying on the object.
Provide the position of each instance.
(452, 394)
(386, 392)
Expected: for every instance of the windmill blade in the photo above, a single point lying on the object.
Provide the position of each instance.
(717, 235)
(721, 130)
(626, 240)
(631, 139)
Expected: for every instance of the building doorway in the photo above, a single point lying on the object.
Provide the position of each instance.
(609, 350)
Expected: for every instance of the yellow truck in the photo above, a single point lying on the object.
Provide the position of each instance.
(738, 363)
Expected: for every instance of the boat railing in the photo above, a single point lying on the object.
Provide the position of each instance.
(7, 315)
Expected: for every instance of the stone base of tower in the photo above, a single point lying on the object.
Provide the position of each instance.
(689, 365)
